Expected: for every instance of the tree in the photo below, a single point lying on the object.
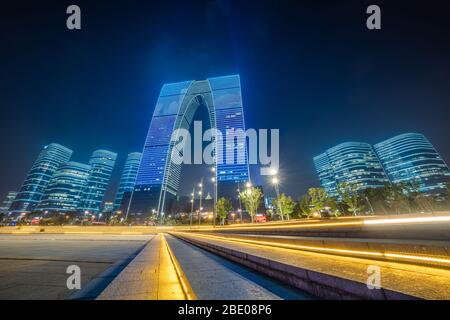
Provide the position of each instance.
(251, 198)
(350, 196)
(223, 207)
(375, 199)
(285, 204)
(304, 206)
(397, 196)
(318, 198)
(426, 202)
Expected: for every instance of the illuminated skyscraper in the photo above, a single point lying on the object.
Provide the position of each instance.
(48, 161)
(351, 162)
(102, 163)
(128, 178)
(8, 201)
(158, 176)
(411, 157)
(63, 192)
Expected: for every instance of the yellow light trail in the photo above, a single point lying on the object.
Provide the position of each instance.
(408, 220)
(332, 250)
(184, 285)
(362, 222)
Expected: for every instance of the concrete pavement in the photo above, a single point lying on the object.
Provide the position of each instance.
(331, 276)
(34, 267)
(214, 278)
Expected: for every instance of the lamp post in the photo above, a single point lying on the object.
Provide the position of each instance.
(214, 181)
(192, 206)
(200, 205)
(240, 203)
(275, 182)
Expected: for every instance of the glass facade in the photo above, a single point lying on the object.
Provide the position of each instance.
(102, 164)
(352, 162)
(64, 191)
(6, 204)
(411, 157)
(128, 178)
(48, 161)
(158, 178)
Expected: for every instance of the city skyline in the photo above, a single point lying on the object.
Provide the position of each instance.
(368, 79)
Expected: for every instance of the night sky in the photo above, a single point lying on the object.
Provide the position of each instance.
(310, 68)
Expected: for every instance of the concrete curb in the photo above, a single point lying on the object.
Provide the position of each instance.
(319, 284)
(188, 291)
(100, 282)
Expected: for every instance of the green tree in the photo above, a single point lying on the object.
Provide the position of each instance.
(223, 207)
(350, 196)
(285, 204)
(304, 206)
(375, 199)
(318, 198)
(251, 198)
(397, 197)
(426, 202)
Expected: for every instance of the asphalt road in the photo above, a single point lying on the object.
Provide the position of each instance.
(34, 267)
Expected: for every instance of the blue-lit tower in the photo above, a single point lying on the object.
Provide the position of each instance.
(158, 177)
(102, 164)
(128, 177)
(410, 157)
(64, 191)
(48, 161)
(351, 162)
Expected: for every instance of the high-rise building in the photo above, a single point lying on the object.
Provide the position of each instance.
(108, 207)
(128, 177)
(411, 157)
(352, 162)
(64, 191)
(158, 176)
(6, 204)
(48, 161)
(102, 164)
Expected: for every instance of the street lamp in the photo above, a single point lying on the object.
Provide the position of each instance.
(192, 206)
(214, 181)
(240, 202)
(275, 182)
(200, 204)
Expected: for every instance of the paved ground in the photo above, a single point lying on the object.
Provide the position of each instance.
(418, 281)
(214, 278)
(34, 267)
(150, 276)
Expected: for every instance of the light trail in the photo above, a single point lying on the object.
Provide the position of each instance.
(308, 224)
(375, 254)
(408, 220)
(188, 292)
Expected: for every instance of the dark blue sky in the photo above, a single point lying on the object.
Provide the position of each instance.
(309, 68)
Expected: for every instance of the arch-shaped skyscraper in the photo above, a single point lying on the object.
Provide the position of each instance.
(158, 177)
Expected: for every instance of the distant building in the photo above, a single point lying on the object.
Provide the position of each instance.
(408, 157)
(128, 177)
(352, 162)
(411, 157)
(6, 204)
(48, 161)
(108, 207)
(268, 202)
(64, 191)
(102, 163)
